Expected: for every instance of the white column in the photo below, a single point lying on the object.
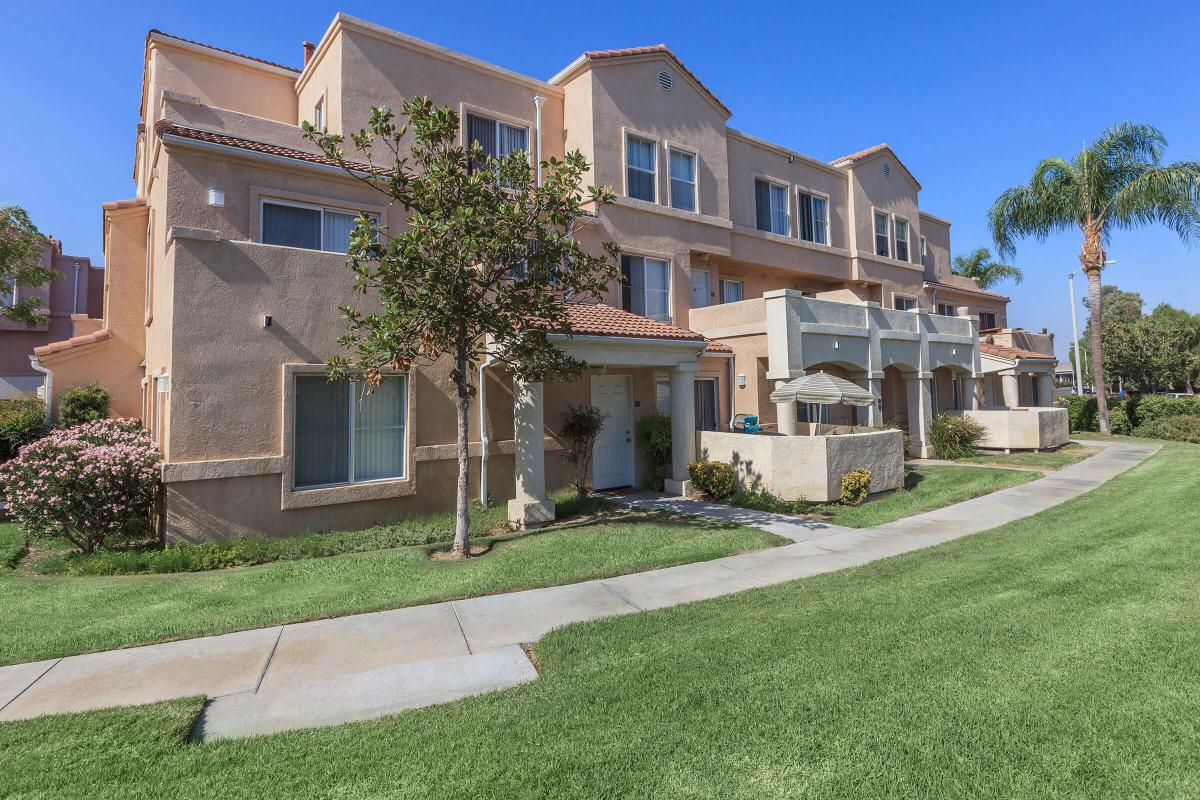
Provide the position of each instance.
(785, 415)
(1045, 389)
(530, 508)
(683, 427)
(920, 413)
(975, 401)
(1011, 388)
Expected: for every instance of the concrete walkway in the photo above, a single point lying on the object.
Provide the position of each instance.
(368, 665)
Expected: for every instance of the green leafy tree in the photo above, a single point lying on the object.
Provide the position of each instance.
(1145, 355)
(1120, 308)
(1189, 326)
(979, 265)
(21, 247)
(1117, 182)
(484, 263)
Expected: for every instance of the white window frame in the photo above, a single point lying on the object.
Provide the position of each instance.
(669, 317)
(924, 251)
(995, 320)
(264, 201)
(319, 114)
(896, 296)
(875, 215)
(404, 464)
(828, 225)
(896, 219)
(953, 310)
(787, 203)
(732, 281)
(687, 151)
(626, 133)
(497, 120)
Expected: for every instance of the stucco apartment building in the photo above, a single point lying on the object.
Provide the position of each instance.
(744, 264)
(75, 296)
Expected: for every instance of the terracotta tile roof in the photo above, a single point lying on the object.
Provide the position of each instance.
(166, 126)
(73, 342)
(598, 319)
(221, 50)
(1012, 353)
(969, 287)
(625, 52)
(861, 154)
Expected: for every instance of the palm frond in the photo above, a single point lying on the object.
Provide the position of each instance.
(1168, 194)
(1047, 204)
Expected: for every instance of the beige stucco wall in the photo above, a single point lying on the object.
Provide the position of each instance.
(1023, 428)
(807, 467)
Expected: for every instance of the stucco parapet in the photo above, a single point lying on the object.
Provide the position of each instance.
(170, 96)
(908, 336)
(830, 329)
(863, 255)
(781, 238)
(200, 234)
(675, 213)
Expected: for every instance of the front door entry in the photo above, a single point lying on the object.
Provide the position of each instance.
(612, 461)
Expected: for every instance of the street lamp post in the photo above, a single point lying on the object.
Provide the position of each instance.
(1075, 329)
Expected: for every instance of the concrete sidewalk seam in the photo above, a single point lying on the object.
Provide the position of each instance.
(29, 685)
(270, 657)
(461, 632)
(620, 596)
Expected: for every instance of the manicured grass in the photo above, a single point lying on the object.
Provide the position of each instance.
(1052, 657)
(1057, 459)
(925, 488)
(48, 616)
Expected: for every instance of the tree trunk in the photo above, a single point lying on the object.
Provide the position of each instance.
(1092, 259)
(462, 539)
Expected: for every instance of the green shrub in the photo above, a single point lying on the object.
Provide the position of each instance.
(766, 500)
(856, 485)
(22, 420)
(581, 426)
(955, 436)
(715, 478)
(83, 404)
(1179, 428)
(1118, 420)
(1081, 412)
(1155, 407)
(654, 437)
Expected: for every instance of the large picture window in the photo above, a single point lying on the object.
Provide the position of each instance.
(814, 218)
(307, 226)
(345, 436)
(641, 168)
(771, 206)
(646, 287)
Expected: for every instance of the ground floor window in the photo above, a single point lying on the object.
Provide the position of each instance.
(706, 404)
(343, 435)
(813, 412)
(662, 396)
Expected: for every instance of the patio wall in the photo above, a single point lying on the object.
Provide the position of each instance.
(1023, 428)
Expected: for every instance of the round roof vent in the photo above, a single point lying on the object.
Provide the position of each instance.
(665, 80)
(887, 168)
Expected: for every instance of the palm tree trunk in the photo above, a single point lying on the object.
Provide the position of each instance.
(1093, 279)
(462, 541)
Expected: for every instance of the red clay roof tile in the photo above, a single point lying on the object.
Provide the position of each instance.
(221, 50)
(971, 288)
(1012, 353)
(598, 319)
(73, 342)
(645, 50)
(166, 126)
(861, 154)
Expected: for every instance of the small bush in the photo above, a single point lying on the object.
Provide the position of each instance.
(856, 485)
(766, 500)
(86, 484)
(1179, 428)
(1082, 413)
(22, 420)
(1118, 420)
(83, 404)
(654, 437)
(1155, 407)
(581, 426)
(714, 478)
(955, 436)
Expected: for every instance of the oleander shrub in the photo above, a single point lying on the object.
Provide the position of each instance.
(653, 433)
(22, 420)
(89, 484)
(1179, 428)
(856, 485)
(83, 404)
(716, 479)
(955, 436)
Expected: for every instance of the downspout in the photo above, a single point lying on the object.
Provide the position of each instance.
(484, 441)
(537, 127)
(729, 378)
(47, 384)
(75, 291)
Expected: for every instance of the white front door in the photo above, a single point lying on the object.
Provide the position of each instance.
(612, 460)
(699, 288)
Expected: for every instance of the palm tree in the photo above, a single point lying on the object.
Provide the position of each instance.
(1116, 182)
(980, 266)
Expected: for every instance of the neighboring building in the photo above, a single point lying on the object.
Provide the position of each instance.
(745, 263)
(74, 297)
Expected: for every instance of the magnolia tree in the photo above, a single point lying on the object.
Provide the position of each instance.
(21, 246)
(86, 484)
(483, 263)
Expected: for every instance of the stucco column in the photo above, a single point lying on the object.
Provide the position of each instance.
(530, 508)
(975, 401)
(785, 415)
(1011, 388)
(920, 413)
(1045, 389)
(683, 427)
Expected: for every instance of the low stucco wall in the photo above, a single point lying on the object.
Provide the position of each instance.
(1023, 428)
(807, 467)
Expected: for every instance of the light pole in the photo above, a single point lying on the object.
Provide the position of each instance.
(1075, 328)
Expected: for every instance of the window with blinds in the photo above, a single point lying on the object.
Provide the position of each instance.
(771, 206)
(646, 287)
(308, 227)
(343, 435)
(641, 168)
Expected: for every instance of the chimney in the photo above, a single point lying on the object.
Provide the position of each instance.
(309, 49)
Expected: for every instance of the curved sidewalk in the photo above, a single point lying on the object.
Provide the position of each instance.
(364, 666)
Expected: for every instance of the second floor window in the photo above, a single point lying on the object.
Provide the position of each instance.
(814, 218)
(683, 180)
(641, 168)
(771, 206)
(646, 287)
(882, 243)
(731, 291)
(902, 303)
(305, 226)
(901, 239)
(319, 115)
(987, 320)
(497, 139)
(924, 253)
(946, 310)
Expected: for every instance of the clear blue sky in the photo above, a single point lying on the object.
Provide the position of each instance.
(970, 95)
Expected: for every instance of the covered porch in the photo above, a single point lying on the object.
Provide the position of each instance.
(1019, 410)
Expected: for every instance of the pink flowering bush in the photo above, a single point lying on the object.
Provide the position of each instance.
(85, 484)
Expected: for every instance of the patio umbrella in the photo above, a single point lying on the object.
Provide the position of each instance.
(823, 389)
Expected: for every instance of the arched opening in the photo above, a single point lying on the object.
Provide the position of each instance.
(832, 414)
(950, 389)
(894, 392)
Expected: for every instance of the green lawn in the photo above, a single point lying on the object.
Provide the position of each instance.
(1052, 657)
(1057, 459)
(48, 616)
(926, 488)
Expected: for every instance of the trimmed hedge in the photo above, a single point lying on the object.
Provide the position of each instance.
(1179, 428)
(1129, 414)
(22, 420)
